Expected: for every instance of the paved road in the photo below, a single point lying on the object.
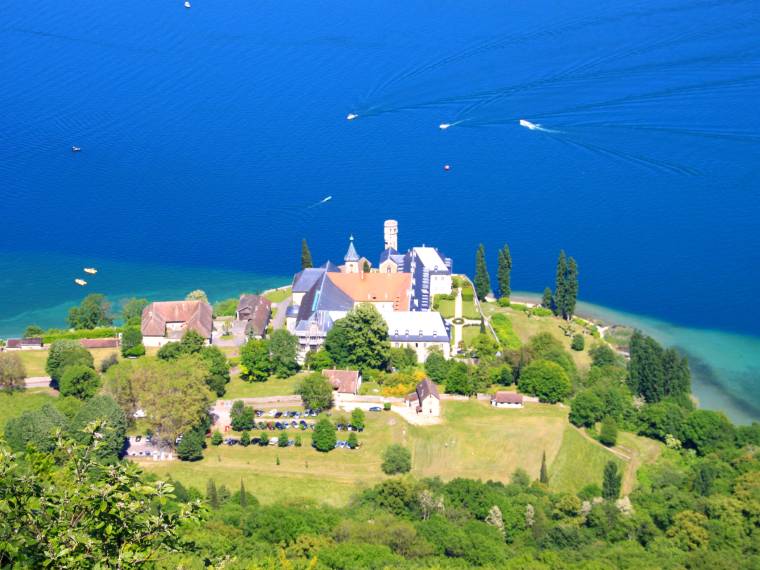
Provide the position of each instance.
(278, 321)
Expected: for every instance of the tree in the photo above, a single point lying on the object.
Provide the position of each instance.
(366, 266)
(357, 418)
(458, 379)
(212, 495)
(218, 369)
(306, 261)
(192, 342)
(154, 385)
(197, 295)
(316, 392)
(79, 381)
(110, 360)
(360, 339)
(611, 481)
(283, 348)
(67, 511)
(242, 495)
(482, 280)
(602, 355)
(63, 353)
(131, 342)
(571, 290)
(94, 311)
(504, 271)
(33, 331)
(645, 373)
(255, 362)
(282, 440)
(245, 438)
(545, 379)
(170, 351)
(402, 358)
(112, 426)
(707, 431)
(485, 346)
(35, 428)
(544, 473)
(690, 531)
(544, 346)
(190, 448)
(578, 343)
(318, 360)
(242, 417)
(436, 366)
(662, 419)
(263, 439)
(131, 311)
(324, 435)
(560, 285)
(608, 433)
(216, 438)
(546, 300)
(675, 373)
(396, 459)
(586, 409)
(12, 372)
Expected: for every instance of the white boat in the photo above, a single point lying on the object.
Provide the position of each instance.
(90, 270)
(187, 4)
(529, 125)
(444, 126)
(75, 149)
(352, 116)
(80, 282)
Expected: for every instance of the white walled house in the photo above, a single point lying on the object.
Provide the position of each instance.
(167, 321)
(507, 400)
(425, 399)
(420, 331)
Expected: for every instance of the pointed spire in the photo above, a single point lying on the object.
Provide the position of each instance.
(351, 254)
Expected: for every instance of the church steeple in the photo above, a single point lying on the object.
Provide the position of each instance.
(351, 258)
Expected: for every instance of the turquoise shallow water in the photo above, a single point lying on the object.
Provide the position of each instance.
(725, 366)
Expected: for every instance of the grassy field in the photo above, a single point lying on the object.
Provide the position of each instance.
(238, 388)
(13, 405)
(278, 295)
(525, 327)
(475, 441)
(469, 333)
(446, 308)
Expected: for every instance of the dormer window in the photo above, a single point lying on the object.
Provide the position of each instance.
(420, 332)
(407, 332)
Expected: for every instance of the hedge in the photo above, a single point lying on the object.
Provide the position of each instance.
(52, 335)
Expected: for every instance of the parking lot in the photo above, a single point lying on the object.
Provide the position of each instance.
(142, 446)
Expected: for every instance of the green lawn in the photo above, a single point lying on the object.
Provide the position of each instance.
(238, 388)
(278, 295)
(446, 308)
(524, 327)
(475, 441)
(469, 310)
(13, 405)
(502, 324)
(34, 360)
(469, 333)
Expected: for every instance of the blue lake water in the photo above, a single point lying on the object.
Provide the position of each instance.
(209, 136)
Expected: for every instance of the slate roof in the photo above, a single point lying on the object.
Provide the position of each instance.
(195, 315)
(351, 254)
(256, 310)
(416, 326)
(344, 381)
(324, 295)
(423, 390)
(305, 279)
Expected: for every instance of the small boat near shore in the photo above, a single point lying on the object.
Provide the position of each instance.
(80, 282)
(351, 116)
(90, 270)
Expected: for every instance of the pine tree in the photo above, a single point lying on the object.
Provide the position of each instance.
(243, 497)
(560, 288)
(482, 279)
(571, 288)
(611, 481)
(503, 274)
(211, 495)
(547, 301)
(306, 261)
(544, 475)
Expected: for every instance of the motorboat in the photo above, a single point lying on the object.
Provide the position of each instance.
(529, 125)
(80, 282)
(75, 149)
(447, 167)
(352, 116)
(187, 4)
(444, 126)
(90, 270)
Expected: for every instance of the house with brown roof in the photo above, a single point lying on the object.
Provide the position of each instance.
(168, 321)
(252, 315)
(388, 292)
(24, 344)
(99, 342)
(425, 399)
(344, 381)
(507, 400)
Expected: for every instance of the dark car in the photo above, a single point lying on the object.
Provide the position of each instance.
(258, 413)
(278, 415)
(138, 438)
(375, 409)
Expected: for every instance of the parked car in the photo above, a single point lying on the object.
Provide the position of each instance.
(272, 413)
(278, 415)
(258, 413)
(138, 438)
(375, 409)
(273, 440)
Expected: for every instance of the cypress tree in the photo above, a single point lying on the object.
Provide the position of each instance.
(676, 373)
(546, 301)
(306, 261)
(243, 498)
(571, 289)
(503, 274)
(645, 368)
(544, 475)
(611, 481)
(482, 279)
(211, 495)
(560, 287)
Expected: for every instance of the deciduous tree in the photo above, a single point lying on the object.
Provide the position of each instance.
(396, 459)
(545, 379)
(12, 372)
(131, 342)
(79, 381)
(131, 311)
(324, 435)
(316, 392)
(112, 426)
(63, 353)
(94, 311)
(255, 361)
(283, 348)
(360, 339)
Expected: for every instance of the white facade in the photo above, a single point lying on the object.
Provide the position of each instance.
(419, 330)
(439, 273)
(496, 404)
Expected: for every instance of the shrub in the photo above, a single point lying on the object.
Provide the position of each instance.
(245, 438)
(396, 459)
(324, 435)
(357, 418)
(282, 440)
(387, 406)
(503, 302)
(79, 381)
(190, 447)
(545, 379)
(520, 307)
(216, 438)
(315, 391)
(263, 439)
(578, 343)
(131, 342)
(541, 312)
(353, 441)
(108, 361)
(609, 432)
(298, 442)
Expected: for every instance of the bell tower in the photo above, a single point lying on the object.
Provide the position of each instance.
(390, 231)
